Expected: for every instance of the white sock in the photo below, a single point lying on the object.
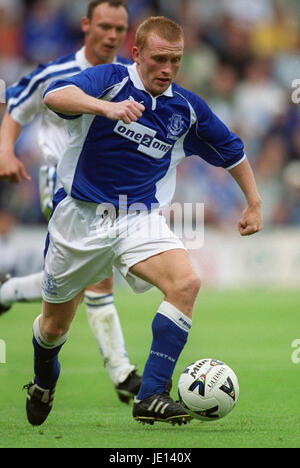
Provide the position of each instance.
(41, 340)
(25, 288)
(105, 324)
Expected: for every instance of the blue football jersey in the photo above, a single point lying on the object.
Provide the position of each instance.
(107, 159)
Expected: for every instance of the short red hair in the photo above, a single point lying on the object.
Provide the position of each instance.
(160, 25)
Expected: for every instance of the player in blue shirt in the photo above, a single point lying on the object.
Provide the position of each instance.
(105, 27)
(128, 130)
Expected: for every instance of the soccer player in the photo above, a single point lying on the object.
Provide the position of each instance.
(129, 127)
(105, 28)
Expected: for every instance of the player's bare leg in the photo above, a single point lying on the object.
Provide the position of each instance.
(172, 272)
(106, 327)
(174, 275)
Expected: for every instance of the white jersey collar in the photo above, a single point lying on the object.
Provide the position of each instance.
(136, 80)
(82, 60)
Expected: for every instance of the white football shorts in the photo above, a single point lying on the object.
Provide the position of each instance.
(85, 241)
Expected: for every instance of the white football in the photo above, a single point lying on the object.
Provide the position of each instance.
(208, 389)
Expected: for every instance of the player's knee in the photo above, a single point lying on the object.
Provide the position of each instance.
(188, 288)
(53, 331)
(191, 286)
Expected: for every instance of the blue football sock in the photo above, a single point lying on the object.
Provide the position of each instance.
(46, 365)
(170, 329)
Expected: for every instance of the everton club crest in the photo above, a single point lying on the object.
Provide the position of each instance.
(175, 126)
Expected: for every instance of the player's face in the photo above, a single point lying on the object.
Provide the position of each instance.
(104, 33)
(158, 63)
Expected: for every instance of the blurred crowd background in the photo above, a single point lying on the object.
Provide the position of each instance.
(241, 56)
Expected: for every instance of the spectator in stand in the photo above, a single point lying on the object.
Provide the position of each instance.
(248, 12)
(221, 93)
(258, 100)
(269, 166)
(291, 180)
(199, 61)
(46, 33)
(275, 34)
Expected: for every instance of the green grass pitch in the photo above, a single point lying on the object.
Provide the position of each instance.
(252, 331)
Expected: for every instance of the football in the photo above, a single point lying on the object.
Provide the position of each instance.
(208, 389)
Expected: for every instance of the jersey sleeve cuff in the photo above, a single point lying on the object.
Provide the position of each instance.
(49, 90)
(236, 163)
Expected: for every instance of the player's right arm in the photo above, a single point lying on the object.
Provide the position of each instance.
(83, 93)
(11, 168)
(72, 100)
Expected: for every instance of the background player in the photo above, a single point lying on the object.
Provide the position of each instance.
(105, 27)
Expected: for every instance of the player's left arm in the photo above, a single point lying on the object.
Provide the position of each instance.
(215, 143)
(251, 219)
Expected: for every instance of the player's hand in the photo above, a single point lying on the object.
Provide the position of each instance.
(251, 221)
(128, 111)
(12, 169)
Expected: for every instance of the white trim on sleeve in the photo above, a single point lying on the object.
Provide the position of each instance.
(237, 163)
(58, 89)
